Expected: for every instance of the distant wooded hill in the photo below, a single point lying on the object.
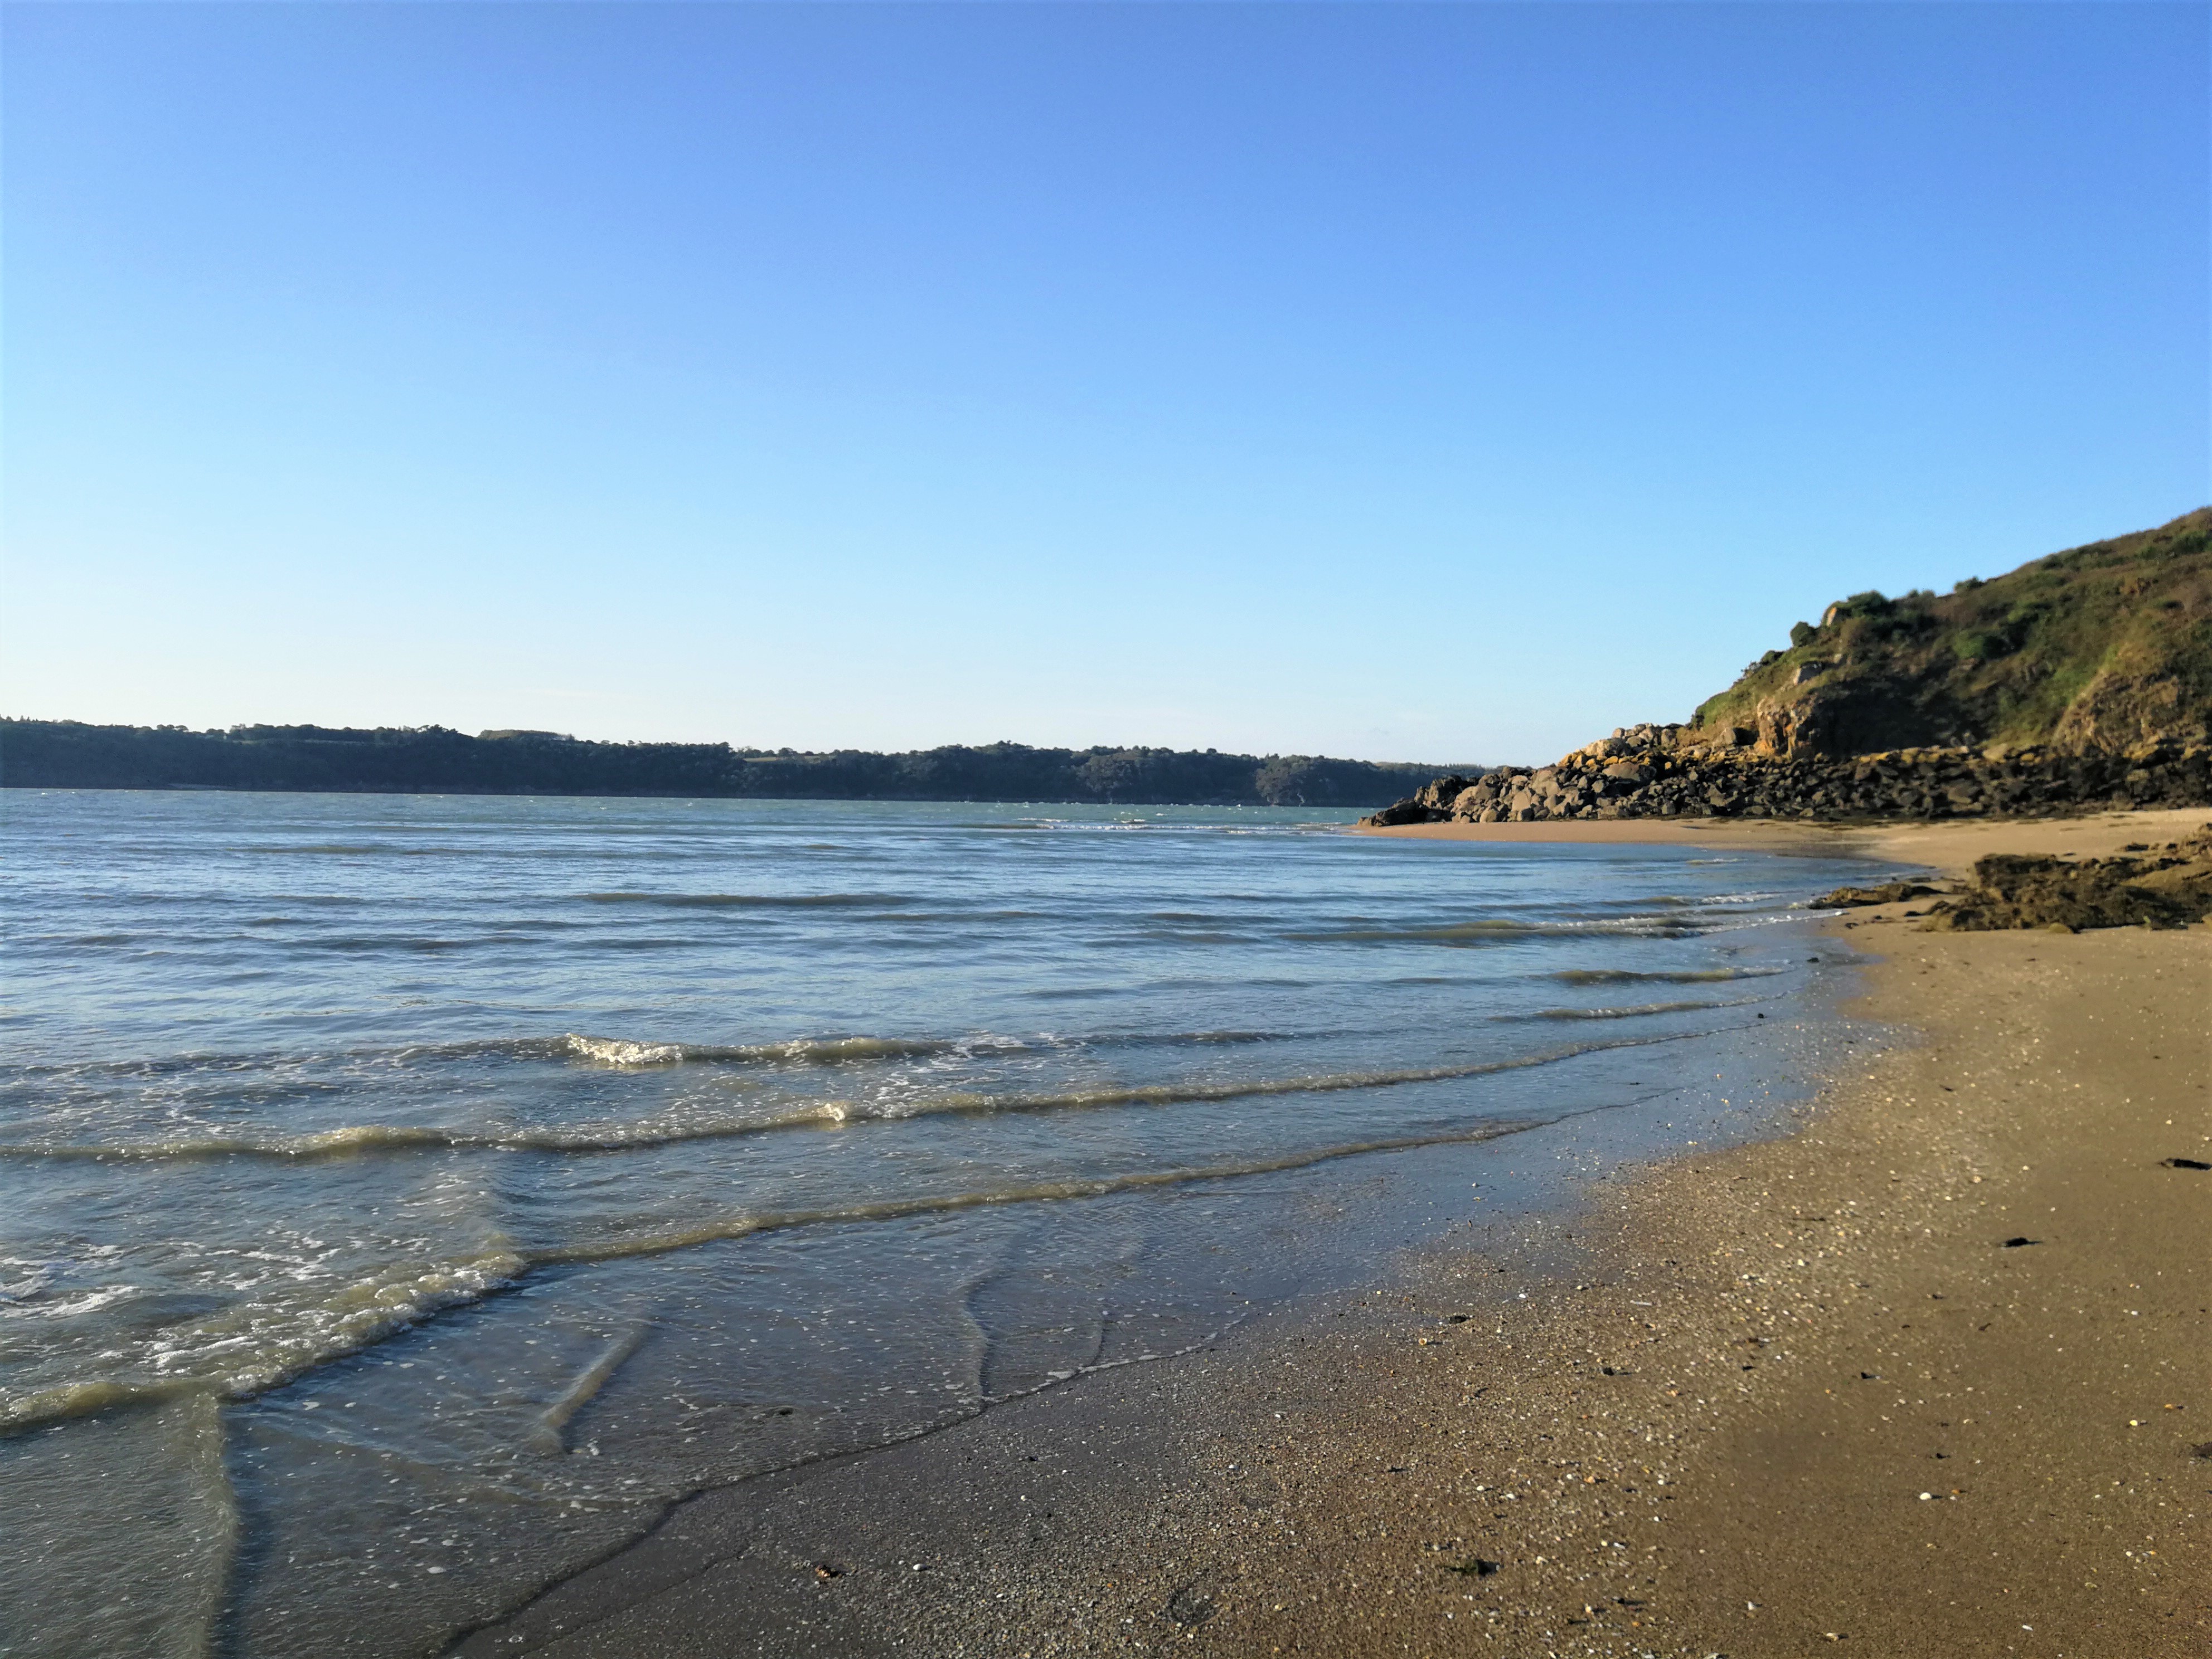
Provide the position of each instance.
(432, 760)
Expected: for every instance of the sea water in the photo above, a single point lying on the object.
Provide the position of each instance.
(402, 1200)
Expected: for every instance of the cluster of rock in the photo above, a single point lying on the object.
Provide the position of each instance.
(1676, 771)
(2143, 886)
(2164, 887)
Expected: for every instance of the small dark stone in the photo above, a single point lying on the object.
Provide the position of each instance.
(1189, 1605)
(1891, 893)
(2015, 1243)
(2184, 1164)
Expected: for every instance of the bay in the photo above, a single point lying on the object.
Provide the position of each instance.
(404, 1199)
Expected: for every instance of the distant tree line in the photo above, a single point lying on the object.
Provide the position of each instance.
(432, 759)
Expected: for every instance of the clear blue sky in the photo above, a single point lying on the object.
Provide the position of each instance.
(1442, 382)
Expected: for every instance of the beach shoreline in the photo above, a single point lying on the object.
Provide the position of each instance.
(1949, 845)
(1798, 1392)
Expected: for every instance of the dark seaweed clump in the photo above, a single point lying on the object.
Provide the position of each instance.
(2165, 887)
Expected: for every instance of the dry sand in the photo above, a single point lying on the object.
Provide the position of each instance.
(1796, 1398)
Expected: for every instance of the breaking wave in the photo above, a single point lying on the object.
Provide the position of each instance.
(1624, 976)
(1495, 928)
(1636, 1013)
(356, 1140)
(247, 1350)
(751, 901)
(257, 1345)
(627, 1053)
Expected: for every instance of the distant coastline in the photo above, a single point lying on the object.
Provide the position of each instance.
(433, 760)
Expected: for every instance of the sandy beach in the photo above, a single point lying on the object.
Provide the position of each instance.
(1925, 1376)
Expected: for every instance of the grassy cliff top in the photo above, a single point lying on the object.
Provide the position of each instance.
(2106, 646)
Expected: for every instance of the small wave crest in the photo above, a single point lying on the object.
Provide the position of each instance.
(637, 1134)
(620, 1051)
(256, 1346)
(1625, 976)
(1636, 1013)
(811, 1051)
(1498, 929)
(631, 1053)
(751, 901)
(719, 1230)
(166, 1066)
(15, 1303)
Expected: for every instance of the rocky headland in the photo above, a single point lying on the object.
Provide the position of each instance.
(1674, 771)
(2079, 682)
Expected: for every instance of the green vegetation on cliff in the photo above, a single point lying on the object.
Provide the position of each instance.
(2104, 647)
(432, 760)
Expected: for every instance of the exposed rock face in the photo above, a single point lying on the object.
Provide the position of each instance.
(2120, 710)
(1669, 771)
(2077, 683)
(2170, 887)
(2104, 646)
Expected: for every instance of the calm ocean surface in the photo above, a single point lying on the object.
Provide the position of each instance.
(402, 1198)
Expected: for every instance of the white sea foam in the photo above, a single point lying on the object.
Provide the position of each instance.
(26, 1307)
(256, 1345)
(666, 1129)
(620, 1051)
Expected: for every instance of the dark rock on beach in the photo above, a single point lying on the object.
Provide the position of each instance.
(1894, 893)
(2171, 887)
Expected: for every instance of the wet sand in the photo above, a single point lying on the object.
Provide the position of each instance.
(1797, 1396)
(1950, 845)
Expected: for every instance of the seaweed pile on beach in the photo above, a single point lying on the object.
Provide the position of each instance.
(2141, 886)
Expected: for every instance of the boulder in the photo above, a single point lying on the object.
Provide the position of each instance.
(1404, 811)
(1648, 779)
(1439, 795)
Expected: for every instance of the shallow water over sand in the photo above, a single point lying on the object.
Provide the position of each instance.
(402, 1199)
